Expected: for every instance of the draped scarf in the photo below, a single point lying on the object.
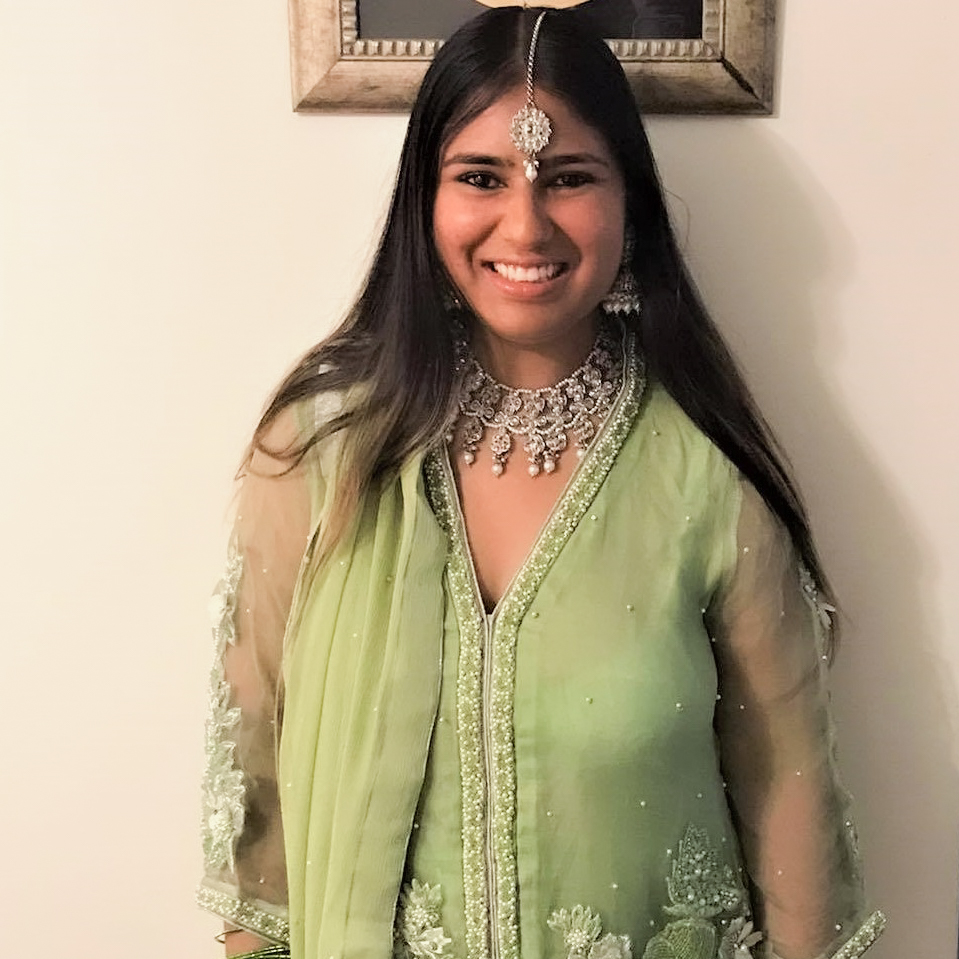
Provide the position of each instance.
(362, 675)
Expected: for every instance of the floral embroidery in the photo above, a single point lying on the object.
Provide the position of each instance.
(700, 885)
(683, 939)
(738, 940)
(705, 895)
(223, 788)
(419, 934)
(581, 929)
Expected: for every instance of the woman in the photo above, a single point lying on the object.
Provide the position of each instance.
(558, 700)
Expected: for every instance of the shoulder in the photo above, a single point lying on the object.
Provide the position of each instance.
(276, 446)
(291, 468)
(692, 489)
(298, 436)
(676, 444)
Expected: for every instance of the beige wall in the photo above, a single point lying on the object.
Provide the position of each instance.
(171, 236)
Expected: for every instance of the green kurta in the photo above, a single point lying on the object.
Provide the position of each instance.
(575, 742)
(631, 756)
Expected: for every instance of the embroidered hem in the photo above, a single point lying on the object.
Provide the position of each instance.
(863, 938)
(265, 920)
(859, 942)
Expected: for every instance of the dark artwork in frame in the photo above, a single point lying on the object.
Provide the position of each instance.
(680, 56)
(615, 19)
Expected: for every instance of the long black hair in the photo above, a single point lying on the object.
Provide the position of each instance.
(393, 357)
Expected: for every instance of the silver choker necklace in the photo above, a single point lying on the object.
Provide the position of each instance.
(546, 418)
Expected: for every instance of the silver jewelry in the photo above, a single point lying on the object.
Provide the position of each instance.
(546, 418)
(530, 128)
(623, 297)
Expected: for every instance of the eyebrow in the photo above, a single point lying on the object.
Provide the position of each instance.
(475, 159)
(559, 160)
(572, 159)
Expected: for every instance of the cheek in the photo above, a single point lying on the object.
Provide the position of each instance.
(453, 231)
(597, 229)
(615, 254)
(451, 256)
(607, 244)
(613, 239)
(443, 238)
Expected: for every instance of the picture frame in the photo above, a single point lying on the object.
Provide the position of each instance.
(728, 69)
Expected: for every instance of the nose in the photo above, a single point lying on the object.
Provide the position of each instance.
(526, 221)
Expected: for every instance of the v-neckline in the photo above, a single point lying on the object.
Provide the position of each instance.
(578, 492)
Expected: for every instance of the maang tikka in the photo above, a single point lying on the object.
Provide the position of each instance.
(530, 128)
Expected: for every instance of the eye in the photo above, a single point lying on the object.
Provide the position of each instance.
(480, 179)
(571, 180)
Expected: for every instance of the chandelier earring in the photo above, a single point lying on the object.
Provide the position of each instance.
(623, 297)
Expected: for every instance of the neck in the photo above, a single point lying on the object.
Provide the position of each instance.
(532, 366)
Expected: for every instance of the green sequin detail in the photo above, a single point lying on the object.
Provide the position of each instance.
(700, 885)
(702, 891)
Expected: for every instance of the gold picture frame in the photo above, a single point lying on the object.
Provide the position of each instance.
(729, 69)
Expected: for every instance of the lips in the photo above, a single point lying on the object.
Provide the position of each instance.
(538, 273)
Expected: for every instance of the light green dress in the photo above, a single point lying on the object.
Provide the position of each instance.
(630, 757)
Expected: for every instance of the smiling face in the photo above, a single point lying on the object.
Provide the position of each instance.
(533, 260)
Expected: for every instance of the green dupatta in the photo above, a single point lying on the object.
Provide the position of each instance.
(362, 680)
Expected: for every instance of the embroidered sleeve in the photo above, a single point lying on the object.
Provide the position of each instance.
(245, 871)
(223, 787)
(777, 749)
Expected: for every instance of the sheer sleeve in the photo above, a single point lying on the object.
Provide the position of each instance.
(245, 871)
(777, 749)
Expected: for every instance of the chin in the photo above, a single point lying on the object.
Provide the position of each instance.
(543, 330)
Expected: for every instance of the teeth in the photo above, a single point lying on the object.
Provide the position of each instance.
(527, 274)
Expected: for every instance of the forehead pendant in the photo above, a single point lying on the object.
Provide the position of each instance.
(530, 128)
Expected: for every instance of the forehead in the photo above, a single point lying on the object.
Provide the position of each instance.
(489, 133)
